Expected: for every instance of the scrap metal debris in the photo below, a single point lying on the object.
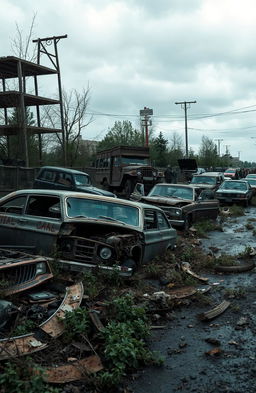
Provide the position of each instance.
(53, 326)
(216, 311)
(185, 267)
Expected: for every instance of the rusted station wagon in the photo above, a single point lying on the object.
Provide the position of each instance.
(183, 204)
(85, 230)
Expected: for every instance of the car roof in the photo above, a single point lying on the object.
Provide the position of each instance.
(72, 194)
(60, 169)
(174, 184)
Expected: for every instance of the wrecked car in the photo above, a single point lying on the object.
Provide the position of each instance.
(51, 177)
(208, 180)
(183, 204)
(235, 191)
(83, 230)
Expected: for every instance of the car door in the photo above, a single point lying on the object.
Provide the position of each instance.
(152, 235)
(43, 219)
(12, 221)
(206, 206)
(167, 233)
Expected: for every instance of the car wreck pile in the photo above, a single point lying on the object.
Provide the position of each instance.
(64, 302)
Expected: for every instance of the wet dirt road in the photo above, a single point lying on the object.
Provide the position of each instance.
(185, 340)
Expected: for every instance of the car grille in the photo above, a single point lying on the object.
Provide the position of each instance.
(83, 250)
(147, 172)
(19, 274)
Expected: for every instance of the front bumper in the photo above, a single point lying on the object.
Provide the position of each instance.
(75, 266)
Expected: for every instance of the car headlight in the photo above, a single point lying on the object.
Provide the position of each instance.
(178, 212)
(155, 174)
(139, 173)
(105, 253)
(41, 268)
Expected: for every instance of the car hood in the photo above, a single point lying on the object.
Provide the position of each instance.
(203, 185)
(94, 190)
(167, 201)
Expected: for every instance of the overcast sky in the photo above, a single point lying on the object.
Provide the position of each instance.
(137, 53)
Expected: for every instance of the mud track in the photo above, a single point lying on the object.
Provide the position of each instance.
(217, 355)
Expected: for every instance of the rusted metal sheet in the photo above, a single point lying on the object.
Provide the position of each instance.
(216, 311)
(72, 372)
(185, 266)
(54, 327)
(180, 293)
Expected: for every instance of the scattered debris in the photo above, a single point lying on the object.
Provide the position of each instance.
(185, 267)
(214, 352)
(53, 327)
(216, 311)
(212, 341)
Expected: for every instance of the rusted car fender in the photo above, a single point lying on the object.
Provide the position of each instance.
(53, 326)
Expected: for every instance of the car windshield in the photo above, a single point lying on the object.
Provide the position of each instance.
(230, 171)
(172, 191)
(108, 211)
(251, 181)
(135, 160)
(233, 185)
(252, 176)
(82, 180)
(203, 179)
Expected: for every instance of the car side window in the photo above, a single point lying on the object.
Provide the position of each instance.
(43, 206)
(150, 219)
(47, 175)
(15, 205)
(63, 178)
(162, 221)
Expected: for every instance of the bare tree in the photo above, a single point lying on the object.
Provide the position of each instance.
(75, 120)
(21, 43)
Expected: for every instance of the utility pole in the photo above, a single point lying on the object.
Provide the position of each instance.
(146, 113)
(42, 44)
(239, 154)
(184, 106)
(219, 140)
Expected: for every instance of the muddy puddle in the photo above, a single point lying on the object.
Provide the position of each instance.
(218, 355)
(235, 236)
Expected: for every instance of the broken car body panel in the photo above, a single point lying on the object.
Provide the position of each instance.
(86, 230)
(180, 202)
(19, 271)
